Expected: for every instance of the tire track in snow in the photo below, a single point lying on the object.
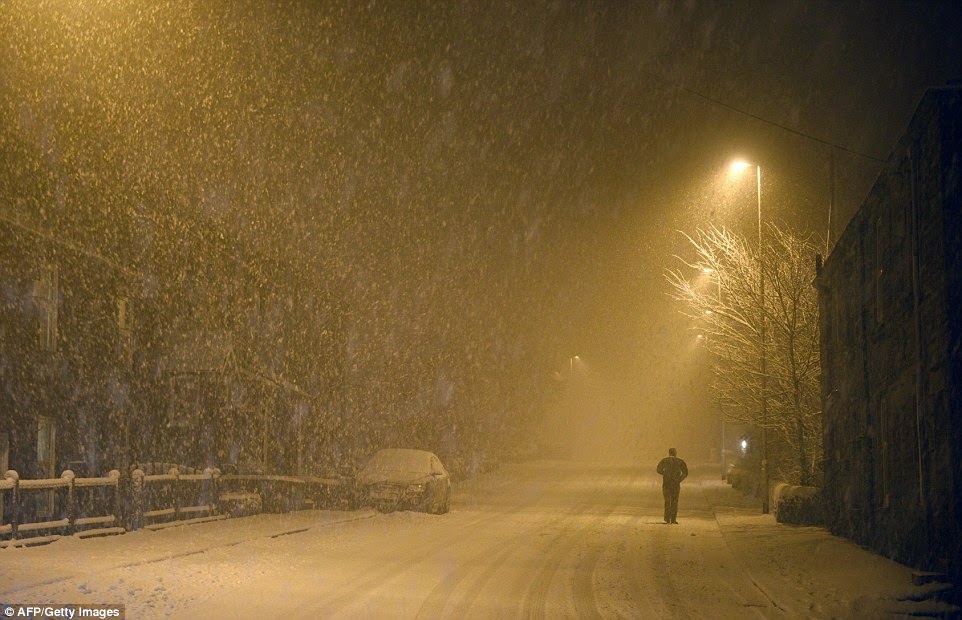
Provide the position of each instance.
(421, 552)
(585, 595)
(641, 568)
(536, 597)
(425, 551)
(438, 599)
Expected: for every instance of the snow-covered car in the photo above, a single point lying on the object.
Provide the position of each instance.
(405, 479)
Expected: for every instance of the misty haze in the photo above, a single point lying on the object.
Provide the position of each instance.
(396, 309)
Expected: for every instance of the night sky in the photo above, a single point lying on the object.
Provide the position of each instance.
(492, 187)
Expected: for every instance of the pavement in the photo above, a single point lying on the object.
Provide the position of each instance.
(23, 568)
(807, 563)
(791, 565)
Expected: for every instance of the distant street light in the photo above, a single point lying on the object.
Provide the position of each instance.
(738, 166)
(559, 374)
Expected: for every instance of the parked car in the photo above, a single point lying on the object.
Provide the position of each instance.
(405, 479)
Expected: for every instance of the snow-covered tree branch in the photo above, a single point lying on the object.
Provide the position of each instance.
(724, 302)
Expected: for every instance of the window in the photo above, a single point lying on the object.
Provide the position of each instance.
(46, 460)
(46, 295)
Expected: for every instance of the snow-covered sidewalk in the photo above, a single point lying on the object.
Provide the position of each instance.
(808, 572)
(70, 557)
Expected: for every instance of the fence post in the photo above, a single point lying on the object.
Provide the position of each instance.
(69, 476)
(114, 475)
(137, 480)
(14, 477)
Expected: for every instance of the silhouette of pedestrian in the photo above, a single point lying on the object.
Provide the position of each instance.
(673, 470)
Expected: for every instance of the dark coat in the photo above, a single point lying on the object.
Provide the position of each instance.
(673, 470)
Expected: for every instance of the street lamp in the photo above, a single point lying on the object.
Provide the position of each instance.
(738, 166)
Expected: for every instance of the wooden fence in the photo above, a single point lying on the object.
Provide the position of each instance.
(61, 505)
(153, 496)
(161, 498)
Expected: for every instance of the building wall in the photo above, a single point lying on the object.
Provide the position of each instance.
(100, 385)
(890, 353)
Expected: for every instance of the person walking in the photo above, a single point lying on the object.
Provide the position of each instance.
(673, 470)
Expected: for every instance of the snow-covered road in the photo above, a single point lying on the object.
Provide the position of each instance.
(535, 540)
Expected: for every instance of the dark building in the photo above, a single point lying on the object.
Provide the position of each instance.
(198, 357)
(64, 346)
(890, 325)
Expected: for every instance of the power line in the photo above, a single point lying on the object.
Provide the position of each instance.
(766, 121)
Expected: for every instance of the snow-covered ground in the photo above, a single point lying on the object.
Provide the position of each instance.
(551, 539)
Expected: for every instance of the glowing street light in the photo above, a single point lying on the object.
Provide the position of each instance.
(738, 166)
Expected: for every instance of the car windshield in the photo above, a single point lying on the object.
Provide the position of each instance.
(400, 460)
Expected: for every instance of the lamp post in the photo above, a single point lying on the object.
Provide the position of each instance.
(738, 166)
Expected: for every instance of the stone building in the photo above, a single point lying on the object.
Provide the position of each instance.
(201, 357)
(890, 325)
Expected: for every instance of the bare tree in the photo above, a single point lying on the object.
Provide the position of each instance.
(724, 303)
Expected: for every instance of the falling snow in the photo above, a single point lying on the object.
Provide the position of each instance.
(274, 239)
